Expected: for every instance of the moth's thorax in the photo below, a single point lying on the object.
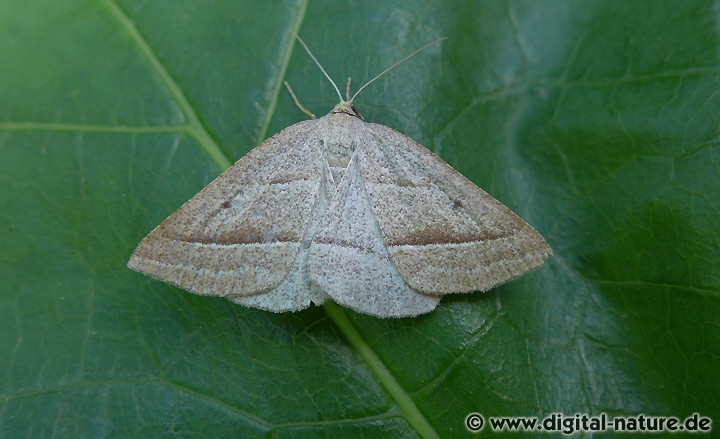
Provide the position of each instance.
(340, 134)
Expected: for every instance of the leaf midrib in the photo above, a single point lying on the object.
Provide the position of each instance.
(200, 132)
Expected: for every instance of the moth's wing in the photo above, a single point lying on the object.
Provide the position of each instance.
(241, 234)
(443, 233)
(296, 292)
(349, 261)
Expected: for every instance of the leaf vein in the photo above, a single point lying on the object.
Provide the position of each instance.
(282, 71)
(196, 127)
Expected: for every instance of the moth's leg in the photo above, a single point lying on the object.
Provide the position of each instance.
(303, 109)
(347, 89)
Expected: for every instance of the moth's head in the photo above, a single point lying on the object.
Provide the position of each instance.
(347, 107)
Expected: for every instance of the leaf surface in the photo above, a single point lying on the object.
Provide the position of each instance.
(595, 121)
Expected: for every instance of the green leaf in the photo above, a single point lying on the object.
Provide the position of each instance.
(597, 122)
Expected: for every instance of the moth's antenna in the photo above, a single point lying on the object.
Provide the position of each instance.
(321, 67)
(391, 67)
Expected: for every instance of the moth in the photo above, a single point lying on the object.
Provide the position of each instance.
(342, 209)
